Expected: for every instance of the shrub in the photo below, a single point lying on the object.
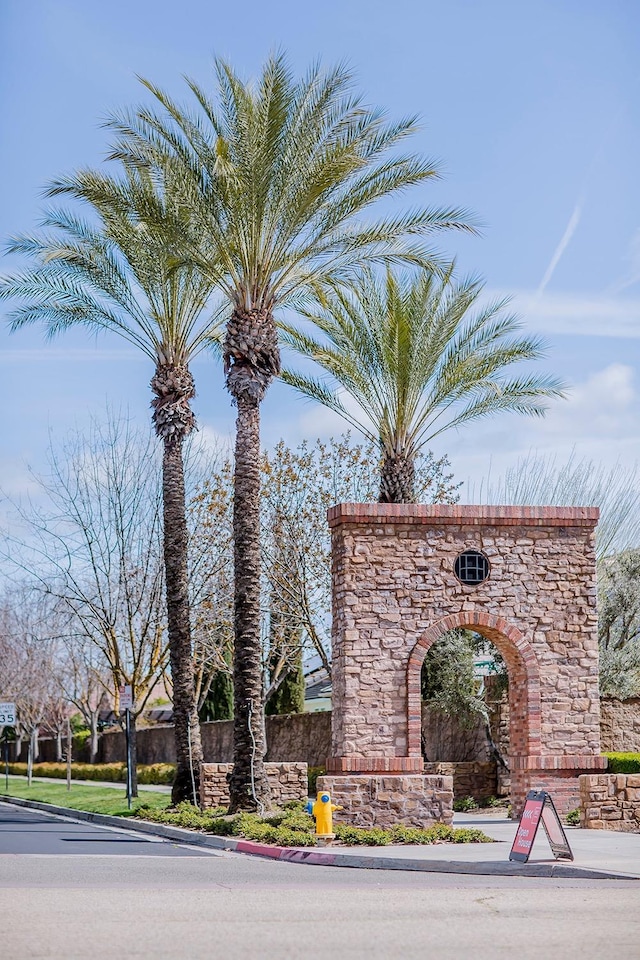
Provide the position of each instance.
(463, 804)
(110, 772)
(312, 778)
(437, 833)
(359, 836)
(573, 818)
(469, 835)
(623, 762)
(293, 827)
(157, 773)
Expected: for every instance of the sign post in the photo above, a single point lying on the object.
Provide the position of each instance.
(539, 807)
(7, 719)
(127, 730)
(69, 749)
(7, 714)
(126, 702)
(6, 762)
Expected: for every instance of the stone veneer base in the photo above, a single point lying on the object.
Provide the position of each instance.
(288, 781)
(384, 800)
(610, 801)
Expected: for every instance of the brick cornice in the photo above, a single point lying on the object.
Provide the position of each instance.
(461, 514)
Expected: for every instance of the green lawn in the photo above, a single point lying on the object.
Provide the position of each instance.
(111, 800)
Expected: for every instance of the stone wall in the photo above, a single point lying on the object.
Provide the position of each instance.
(610, 802)
(288, 781)
(444, 738)
(395, 593)
(475, 779)
(385, 800)
(620, 725)
(303, 736)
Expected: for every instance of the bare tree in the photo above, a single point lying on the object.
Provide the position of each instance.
(26, 662)
(84, 677)
(576, 482)
(93, 546)
(298, 486)
(210, 519)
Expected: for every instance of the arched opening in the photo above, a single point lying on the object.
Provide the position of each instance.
(464, 681)
(521, 668)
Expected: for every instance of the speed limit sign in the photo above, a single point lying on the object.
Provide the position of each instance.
(7, 714)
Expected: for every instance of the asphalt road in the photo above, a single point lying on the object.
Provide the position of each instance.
(102, 899)
(25, 831)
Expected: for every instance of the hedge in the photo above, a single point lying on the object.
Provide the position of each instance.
(623, 762)
(109, 772)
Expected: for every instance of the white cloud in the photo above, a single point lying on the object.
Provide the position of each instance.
(316, 421)
(599, 420)
(601, 406)
(578, 315)
(209, 439)
(53, 355)
(632, 276)
(17, 479)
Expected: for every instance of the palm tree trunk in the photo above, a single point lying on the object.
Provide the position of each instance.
(248, 785)
(185, 717)
(397, 479)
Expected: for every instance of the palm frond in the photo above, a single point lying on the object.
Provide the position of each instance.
(120, 271)
(280, 176)
(413, 357)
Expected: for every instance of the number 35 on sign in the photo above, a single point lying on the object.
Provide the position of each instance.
(7, 714)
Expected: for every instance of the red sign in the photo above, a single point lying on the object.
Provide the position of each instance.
(539, 807)
(527, 829)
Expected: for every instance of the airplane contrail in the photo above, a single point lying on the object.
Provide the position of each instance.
(574, 220)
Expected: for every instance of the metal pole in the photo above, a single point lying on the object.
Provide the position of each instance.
(127, 727)
(69, 749)
(6, 763)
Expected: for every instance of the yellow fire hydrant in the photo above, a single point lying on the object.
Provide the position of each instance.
(322, 811)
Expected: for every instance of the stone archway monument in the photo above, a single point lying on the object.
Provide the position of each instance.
(405, 574)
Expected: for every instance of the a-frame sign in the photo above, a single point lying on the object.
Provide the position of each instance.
(539, 806)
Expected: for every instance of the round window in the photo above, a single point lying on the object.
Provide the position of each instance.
(471, 567)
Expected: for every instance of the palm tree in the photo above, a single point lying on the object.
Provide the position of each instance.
(116, 273)
(278, 176)
(414, 362)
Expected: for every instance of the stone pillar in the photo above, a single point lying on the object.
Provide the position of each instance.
(396, 591)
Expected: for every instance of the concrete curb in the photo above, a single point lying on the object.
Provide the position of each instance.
(505, 868)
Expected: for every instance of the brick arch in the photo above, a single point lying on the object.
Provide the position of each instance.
(522, 667)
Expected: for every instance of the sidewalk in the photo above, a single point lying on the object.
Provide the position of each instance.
(595, 852)
(116, 784)
(598, 854)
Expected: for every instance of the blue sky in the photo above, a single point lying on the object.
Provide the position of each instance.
(532, 109)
